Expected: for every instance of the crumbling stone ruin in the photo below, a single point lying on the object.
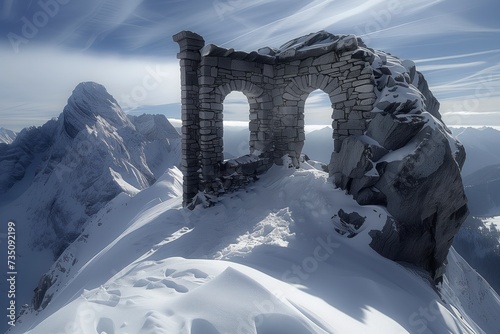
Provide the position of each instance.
(391, 147)
(277, 86)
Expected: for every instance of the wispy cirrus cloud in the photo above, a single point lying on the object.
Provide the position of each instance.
(40, 82)
(455, 43)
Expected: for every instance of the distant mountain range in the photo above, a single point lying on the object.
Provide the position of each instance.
(483, 191)
(482, 147)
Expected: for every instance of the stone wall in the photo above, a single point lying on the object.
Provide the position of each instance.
(277, 87)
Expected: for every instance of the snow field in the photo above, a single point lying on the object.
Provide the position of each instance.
(263, 260)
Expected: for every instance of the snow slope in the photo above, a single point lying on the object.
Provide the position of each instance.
(479, 243)
(262, 260)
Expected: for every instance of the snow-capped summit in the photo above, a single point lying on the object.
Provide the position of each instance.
(54, 177)
(89, 102)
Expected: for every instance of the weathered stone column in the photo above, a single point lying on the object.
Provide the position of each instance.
(190, 44)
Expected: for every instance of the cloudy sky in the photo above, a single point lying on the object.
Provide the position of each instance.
(48, 46)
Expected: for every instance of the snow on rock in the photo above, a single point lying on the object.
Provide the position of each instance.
(54, 177)
(311, 45)
(157, 270)
(407, 161)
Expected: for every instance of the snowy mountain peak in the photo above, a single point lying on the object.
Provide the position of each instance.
(54, 177)
(89, 102)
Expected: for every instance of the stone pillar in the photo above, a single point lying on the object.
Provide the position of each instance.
(190, 45)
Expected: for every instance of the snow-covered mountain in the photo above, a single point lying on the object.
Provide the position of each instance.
(479, 243)
(7, 136)
(483, 190)
(54, 177)
(145, 265)
(481, 145)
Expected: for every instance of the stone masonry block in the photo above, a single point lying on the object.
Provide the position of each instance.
(354, 124)
(206, 80)
(364, 88)
(338, 114)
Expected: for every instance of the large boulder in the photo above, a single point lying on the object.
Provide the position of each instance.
(425, 194)
(408, 161)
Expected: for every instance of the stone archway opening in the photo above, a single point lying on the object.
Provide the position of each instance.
(236, 132)
(318, 143)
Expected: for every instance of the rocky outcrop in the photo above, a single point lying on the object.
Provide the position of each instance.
(408, 161)
(348, 224)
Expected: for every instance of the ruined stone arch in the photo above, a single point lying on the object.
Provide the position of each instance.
(291, 117)
(355, 77)
(276, 88)
(259, 108)
(212, 127)
(349, 107)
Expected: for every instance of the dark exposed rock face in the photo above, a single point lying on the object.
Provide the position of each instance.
(38, 298)
(424, 192)
(348, 224)
(408, 161)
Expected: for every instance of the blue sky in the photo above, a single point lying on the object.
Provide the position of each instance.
(48, 46)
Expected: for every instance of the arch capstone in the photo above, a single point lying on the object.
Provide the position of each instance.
(276, 85)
